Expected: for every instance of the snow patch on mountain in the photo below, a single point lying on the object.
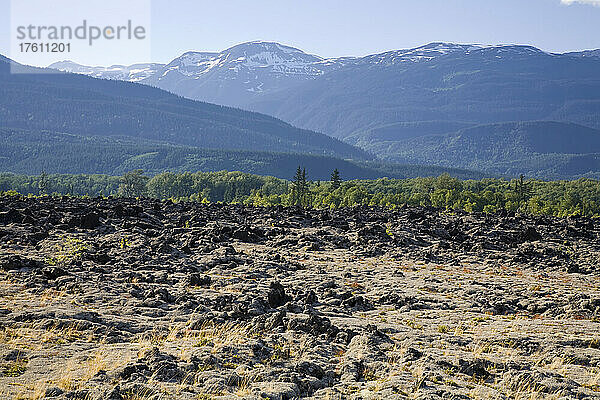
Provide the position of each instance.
(132, 73)
(235, 75)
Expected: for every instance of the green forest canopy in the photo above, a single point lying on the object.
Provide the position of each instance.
(557, 198)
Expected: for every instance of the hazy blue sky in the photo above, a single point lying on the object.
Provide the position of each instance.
(352, 27)
(358, 27)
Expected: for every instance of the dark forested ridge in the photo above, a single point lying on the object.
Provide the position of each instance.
(28, 152)
(66, 123)
(553, 150)
(84, 106)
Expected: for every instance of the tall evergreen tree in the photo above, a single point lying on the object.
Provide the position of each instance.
(299, 195)
(336, 180)
(43, 183)
(296, 194)
(304, 199)
(523, 189)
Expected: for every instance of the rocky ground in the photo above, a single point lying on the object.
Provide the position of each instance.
(142, 299)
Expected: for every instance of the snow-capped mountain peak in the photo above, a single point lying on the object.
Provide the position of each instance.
(236, 75)
(427, 52)
(132, 73)
(248, 57)
(255, 62)
(256, 47)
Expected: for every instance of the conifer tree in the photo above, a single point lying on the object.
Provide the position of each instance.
(299, 195)
(304, 199)
(523, 189)
(296, 194)
(44, 183)
(336, 180)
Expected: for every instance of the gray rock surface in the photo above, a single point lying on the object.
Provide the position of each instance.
(123, 299)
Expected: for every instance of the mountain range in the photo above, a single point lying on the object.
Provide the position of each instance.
(68, 123)
(235, 77)
(383, 102)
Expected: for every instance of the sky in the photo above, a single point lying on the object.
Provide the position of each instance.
(332, 28)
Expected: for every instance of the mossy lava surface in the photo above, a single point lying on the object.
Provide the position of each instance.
(147, 299)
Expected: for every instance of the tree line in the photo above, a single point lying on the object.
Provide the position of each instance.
(557, 198)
